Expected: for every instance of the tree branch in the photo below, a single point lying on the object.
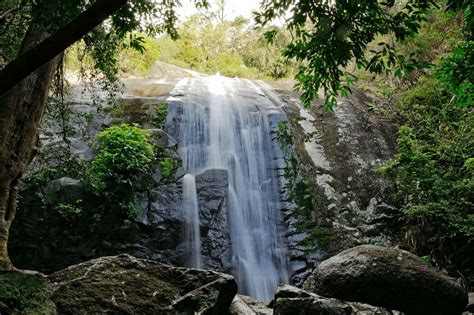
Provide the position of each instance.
(25, 64)
(9, 11)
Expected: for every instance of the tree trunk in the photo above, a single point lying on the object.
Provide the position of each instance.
(21, 109)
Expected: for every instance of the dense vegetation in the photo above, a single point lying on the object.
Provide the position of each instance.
(207, 45)
(431, 103)
(433, 167)
(329, 37)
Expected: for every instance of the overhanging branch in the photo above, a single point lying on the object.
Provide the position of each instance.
(25, 64)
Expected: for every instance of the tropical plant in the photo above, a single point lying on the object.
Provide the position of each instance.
(124, 156)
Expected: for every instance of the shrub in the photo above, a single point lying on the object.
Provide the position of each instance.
(456, 73)
(69, 211)
(124, 156)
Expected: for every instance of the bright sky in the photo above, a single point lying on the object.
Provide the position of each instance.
(233, 8)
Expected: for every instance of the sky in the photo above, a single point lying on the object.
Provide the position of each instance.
(233, 8)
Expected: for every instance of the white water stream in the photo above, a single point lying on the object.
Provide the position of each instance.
(225, 124)
(191, 215)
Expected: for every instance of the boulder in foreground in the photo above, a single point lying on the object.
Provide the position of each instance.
(124, 284)
(291, 300)
(387, 277)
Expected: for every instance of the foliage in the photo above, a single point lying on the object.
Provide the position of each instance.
(96, 55)
(13, 25)
(138, 60)
(159, 119)
(456, 73)
(233, 48)
(123, 156)
(432, 173)
(69, 211)
(168, 167)
(126, 158)
(329, 35)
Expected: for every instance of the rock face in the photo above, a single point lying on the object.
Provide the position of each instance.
(387, 277)
(211, 187)
(291, 300)
(127, 285)
(158, 232)
(338, 152)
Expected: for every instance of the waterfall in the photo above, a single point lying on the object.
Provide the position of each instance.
(225, 124)
(191, 214)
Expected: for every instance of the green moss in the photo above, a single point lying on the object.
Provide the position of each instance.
(132, 291)
(25, 294)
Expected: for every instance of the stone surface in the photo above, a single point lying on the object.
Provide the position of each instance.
(353, 209)
(470, 306)
(245, 305)
(211, 187)
(157, 234)
(162, 139)
(65, 189)
(126, 285)
(291, 300)
(387, 277)
(338, 152)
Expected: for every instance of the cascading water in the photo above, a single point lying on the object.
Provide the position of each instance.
(191, 214)
(225, 124)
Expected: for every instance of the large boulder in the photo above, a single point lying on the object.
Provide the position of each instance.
(290, 300)
(387, 277)
(124, 284)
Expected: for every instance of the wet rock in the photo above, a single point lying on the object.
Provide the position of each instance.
(291, 300)
(387, 277)
(162, 139)
(245, 305)
(470, 306)
(338, 152)
(65, 189)
(156, 234)
(211, 187)
(126, 285)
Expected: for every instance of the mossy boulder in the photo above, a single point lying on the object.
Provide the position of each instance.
(23, 293)
(387, 277)
(124, 284)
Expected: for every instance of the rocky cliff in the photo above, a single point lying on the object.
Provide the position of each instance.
(337, 152)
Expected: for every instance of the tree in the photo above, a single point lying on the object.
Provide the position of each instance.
(328, 35)
(32, 58)
(21, 108)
